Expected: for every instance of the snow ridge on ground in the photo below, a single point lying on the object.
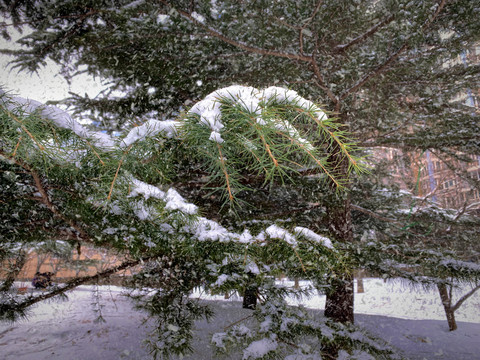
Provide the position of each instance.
(409, 319)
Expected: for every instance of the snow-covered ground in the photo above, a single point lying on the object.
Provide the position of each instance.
(411, 320)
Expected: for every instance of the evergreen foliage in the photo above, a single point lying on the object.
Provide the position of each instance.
(388, 70)
(88, 185)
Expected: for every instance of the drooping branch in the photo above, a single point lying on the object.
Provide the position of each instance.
(69, 285)
(377, 71)
(373, 214)
(256, 50)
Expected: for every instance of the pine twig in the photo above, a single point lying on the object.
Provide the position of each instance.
(224, 169)
(16, 147)
(96, 154)
(267, 147)
(116, 173)
(300, 259)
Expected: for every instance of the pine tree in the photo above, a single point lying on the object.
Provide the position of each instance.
(379, 65)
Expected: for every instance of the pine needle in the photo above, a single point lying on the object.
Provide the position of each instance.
(224, 169)
(16, 147)
(116, 173)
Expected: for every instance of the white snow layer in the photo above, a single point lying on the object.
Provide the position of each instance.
(260, 348)
(249, 98)
(150, 129)
(60, 117)
(309, 234)
(408, 319)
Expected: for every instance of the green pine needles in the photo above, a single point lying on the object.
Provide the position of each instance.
(142, 194)
(242, 134)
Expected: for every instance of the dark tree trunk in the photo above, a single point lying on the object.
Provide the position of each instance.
(360, 287)
(447, 306)
(339, 305)
(359, 274)
(250, 294)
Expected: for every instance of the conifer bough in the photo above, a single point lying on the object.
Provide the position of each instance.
(116, 193)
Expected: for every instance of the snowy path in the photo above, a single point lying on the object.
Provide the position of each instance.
(411, 321)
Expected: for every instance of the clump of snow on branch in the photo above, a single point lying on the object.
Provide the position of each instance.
(310, 235)
(150, 129)
(250, 99)
(276, 232)
(173, 200)
(260, 348)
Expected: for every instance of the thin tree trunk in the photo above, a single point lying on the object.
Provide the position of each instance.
(447, 306)
(360, 288)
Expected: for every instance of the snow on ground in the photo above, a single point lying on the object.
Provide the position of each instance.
(411, 320)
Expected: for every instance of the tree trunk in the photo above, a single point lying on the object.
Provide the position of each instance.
(297, 284)
(359, 274)
(250, 294)
(339, 304)
(360, 288)
(447, 306)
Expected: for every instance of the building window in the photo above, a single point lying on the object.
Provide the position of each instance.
(475, 194)
(475, 175)
(448, 184)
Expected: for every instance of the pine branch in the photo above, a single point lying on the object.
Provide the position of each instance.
(224, 169)
(392, 58)
(344, 47)
(116, 173)
(69, 285)
(241, 45)
(40, 146)
(464, 298)
(16, 146)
